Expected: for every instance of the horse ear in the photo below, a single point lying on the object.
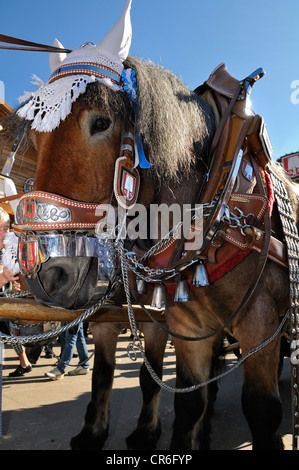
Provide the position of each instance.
(56, 58)
(118, 41)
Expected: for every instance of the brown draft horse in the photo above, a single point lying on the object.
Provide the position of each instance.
(77, 161)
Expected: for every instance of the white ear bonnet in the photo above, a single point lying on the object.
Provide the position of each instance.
(70, 74)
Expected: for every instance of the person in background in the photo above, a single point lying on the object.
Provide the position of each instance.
(74, 337)
(5, 277)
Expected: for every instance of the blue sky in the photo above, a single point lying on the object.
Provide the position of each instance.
(189, 37)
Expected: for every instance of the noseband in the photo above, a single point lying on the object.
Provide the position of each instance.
(53, 226)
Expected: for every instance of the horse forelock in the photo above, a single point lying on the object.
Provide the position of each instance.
(175, 123)
(116, 104)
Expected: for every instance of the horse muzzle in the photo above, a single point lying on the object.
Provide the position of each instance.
(62, 261)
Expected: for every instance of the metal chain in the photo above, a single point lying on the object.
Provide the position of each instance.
(155, 275)
(67, 363)
(15, 295)
(292, 243)
(136, 345)
(174, 232)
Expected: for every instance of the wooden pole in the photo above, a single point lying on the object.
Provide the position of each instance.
(29, 310)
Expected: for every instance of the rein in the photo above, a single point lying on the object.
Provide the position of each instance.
(29, 45)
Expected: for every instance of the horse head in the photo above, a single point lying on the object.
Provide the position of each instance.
(76, 161)
(88, 124)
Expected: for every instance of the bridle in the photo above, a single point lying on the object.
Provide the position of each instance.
(49, 225)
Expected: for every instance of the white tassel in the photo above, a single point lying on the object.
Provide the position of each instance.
(9, 256)
(10, 190)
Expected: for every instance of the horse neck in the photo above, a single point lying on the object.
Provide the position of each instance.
(167, 194)
(183, 190)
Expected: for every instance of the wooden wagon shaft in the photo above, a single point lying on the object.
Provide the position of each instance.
(29, 309)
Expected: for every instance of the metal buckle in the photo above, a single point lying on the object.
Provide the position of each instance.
(217, 235)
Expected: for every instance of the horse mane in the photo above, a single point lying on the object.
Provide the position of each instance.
(175, 123)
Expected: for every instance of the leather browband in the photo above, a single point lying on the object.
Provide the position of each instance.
(39, 211)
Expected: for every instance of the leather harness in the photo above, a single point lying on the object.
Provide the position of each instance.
(249, 194)
(237, 184)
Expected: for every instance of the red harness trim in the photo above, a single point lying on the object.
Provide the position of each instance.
(271, 194)
(230, 264)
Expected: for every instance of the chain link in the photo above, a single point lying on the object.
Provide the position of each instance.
(136, 345)
(155, 275)
(292, 243)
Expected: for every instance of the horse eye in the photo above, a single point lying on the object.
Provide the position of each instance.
(100, 124)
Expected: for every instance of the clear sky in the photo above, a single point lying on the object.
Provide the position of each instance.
(188, 37)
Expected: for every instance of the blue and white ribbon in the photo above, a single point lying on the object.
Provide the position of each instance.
(129, 84)
(128, 77)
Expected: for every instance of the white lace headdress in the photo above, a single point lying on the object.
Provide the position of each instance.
(70, 75)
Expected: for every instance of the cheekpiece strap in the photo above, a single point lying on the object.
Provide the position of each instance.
(85, 68)
(126, 176)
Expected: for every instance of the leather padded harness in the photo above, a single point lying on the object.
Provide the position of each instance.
(225, 246)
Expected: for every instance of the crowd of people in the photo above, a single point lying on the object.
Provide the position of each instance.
(72, 344)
